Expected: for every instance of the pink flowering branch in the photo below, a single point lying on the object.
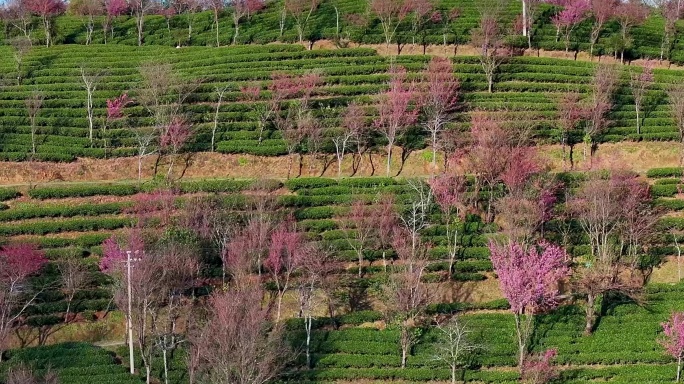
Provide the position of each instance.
(673, 339)
(529, 278)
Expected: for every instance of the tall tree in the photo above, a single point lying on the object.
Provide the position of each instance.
(141, 8)
(88, 10)
(113, 9)
(529, 279)
(453, 346)
(671, 11)
(602, 11)
(407, 295)
(286, 253)
(449, 193)
(675, 96)
(640, 83)
(21, 46)
(18, 14)
(395, 111)
(421, 14)
(34, 103)
(244, 9)
(600, 206)
(673, 339)
(530, 8)
(604, 84)
(360, 225)
(173, 138)
(301, 11)
(391, 14)
(439, 98)
(628, 15)
(17, 264)
(47, 10)
(90, 80)
(353, 122)
(567, 20)
(488, 37)
(238, 343)
(570, 114)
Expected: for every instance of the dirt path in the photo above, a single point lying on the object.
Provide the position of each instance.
(639, 157)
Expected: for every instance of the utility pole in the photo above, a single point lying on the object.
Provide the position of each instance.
(129, 315)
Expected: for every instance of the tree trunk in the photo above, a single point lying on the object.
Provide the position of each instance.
(389, 156)
(216, 21)
(590, 312)
(434, 151)
(237, 30)
(308, 322)
(521, 340)
(638, 121)
(679, 369)
(453, 374)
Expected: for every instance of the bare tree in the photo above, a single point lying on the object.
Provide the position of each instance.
(360, 225)
(406, 294)
(604, 84)
(301, 11)
(140, 9)
(395, 113)
(453, 345)
(489, 38)
(438, 99)
(353, 121)
(91, 80)
(675, 95)
(640, 83)
(33, 105)
(145, 140)
(238, 344)
(17, 14)
(220, 92)
(21, 47)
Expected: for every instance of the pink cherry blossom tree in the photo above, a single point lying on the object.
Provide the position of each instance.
(360, 225)
(671, 11)
(529, 278)
(17, 263)
(244, 9)
(539, 368)
(391, 14)
(602, 11)
(285, 256)
(353, 124)
(673, 339)
(88, 9)
(640, 83)
(47, 10)
(628, 15)
(301, 11)
(438, 99)
(566, 20)
(174, 136)
(113, 9)
(395, 111)
(570, 114)
(449, 193)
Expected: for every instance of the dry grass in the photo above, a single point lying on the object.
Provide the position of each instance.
(468, 50)
(639, 157)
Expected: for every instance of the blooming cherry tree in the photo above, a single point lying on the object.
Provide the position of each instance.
(17, 263)
(529, 280)
(673, 340)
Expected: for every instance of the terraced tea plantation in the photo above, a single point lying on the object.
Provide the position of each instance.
(338, 19)
(527, 93)
(486, 254)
